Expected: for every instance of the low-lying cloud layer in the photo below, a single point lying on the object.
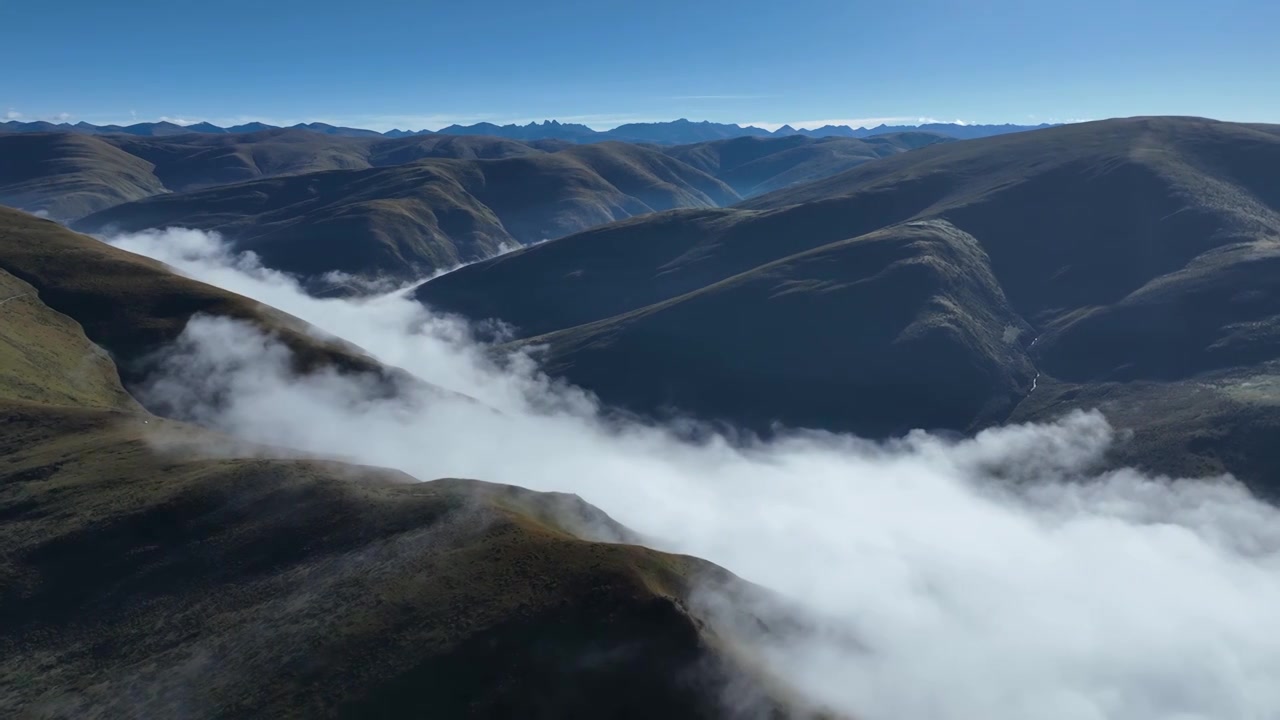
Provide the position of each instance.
(1002, 576)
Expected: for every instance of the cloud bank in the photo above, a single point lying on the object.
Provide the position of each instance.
(1002, 576)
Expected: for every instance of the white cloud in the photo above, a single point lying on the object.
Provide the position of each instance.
(720, 97)
(995, 577)
(12, 114)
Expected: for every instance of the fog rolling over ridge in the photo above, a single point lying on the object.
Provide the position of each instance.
(1004, 576)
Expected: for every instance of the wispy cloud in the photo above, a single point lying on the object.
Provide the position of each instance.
(719, 97)
(12, 114)
(1006, 573)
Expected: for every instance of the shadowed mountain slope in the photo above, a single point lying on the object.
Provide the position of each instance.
(1128, 254)
(1135, 246)
(151, 568)
(878, 334)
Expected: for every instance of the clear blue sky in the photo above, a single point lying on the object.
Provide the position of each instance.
(425, 64)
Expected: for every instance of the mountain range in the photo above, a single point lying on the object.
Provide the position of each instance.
(949, 285)
(1124, 264)
(675, 132)
(397, 208)
(151, 565)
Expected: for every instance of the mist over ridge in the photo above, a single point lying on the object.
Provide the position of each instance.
(1010, 574)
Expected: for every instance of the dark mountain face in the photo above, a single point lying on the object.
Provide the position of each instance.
(1131, 255)
(907, 323)
(1091, 223)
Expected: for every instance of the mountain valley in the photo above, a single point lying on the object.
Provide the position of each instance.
(322, 422)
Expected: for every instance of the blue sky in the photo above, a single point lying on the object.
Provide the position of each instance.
(604, 62)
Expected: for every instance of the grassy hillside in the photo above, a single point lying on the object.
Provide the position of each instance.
(1133, 255)
(140, 583)
(133, 306)
(45, 357)
(194, 161)
(68, 176)
(408, 220)
(150, 568)
(756, 165)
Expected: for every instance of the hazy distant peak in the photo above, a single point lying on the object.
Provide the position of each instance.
(675, 132)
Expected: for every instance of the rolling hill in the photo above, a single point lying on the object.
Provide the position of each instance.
(1127, 262)
(401, 208)
(69, 176)
(152, 568)
(409, 220)
(64, 175)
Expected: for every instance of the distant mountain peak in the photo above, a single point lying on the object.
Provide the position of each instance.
(681, 131)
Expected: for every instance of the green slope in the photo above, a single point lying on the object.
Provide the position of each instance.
(68, 176)
(133, 306)
(150, 568)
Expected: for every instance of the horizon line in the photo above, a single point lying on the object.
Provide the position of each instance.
(435, 125)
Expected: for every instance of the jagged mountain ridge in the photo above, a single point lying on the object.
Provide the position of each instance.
(675, 132)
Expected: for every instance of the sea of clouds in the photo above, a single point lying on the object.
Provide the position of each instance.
(1003, 576)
